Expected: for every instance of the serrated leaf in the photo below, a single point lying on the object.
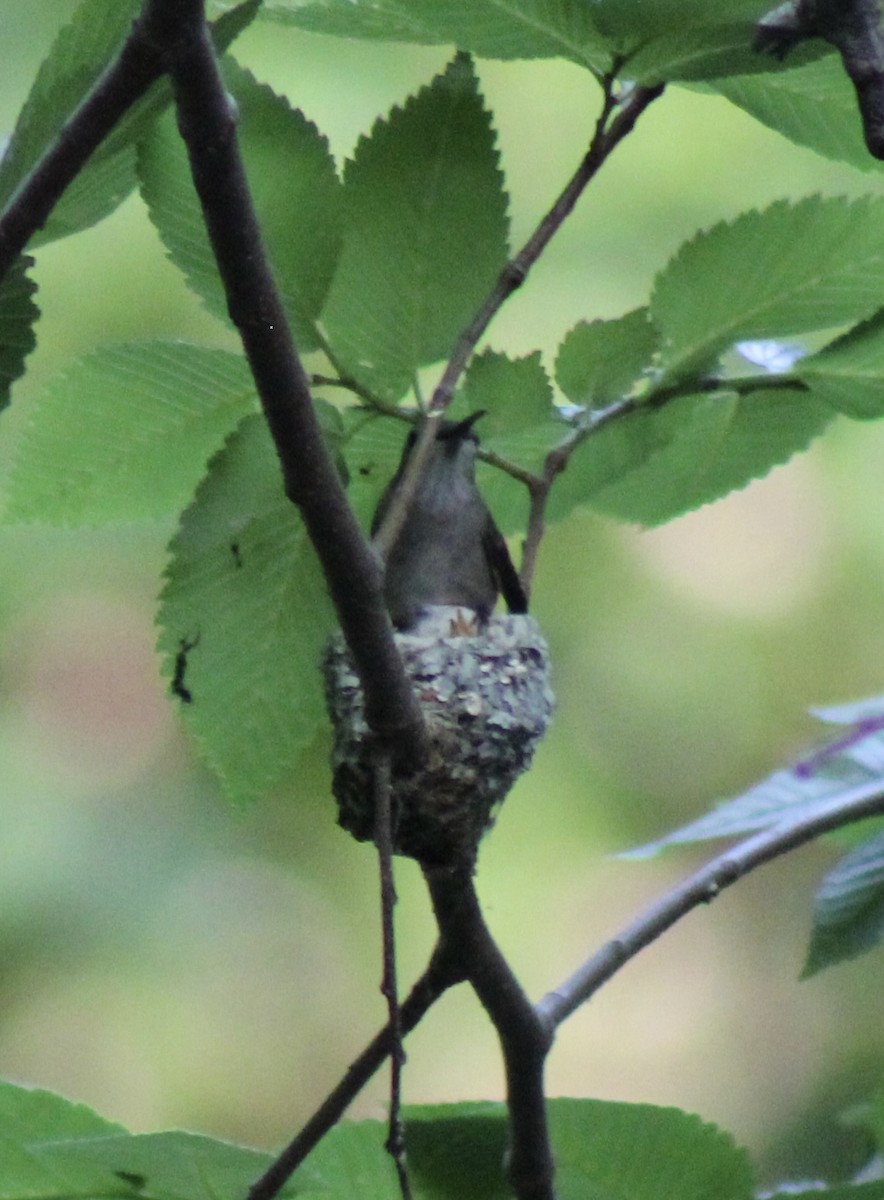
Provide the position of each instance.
(155, 1166)
(457, 1151)
(426, 233)
(79, 55)
(506, 29)
(244, 615)
(812, 105)
(125, 434)
(849, 372)
(718, 444)
(848, 910)
(850, 767)
(599, 361)
(31, 1115)
(786, 270)
(294, 186)
(520, 427)
(18, 315)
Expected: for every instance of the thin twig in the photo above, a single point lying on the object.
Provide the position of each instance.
(440, 975)
(513, 275)
(701, 888)
(351, 568)
(384, 836)
(595, 420)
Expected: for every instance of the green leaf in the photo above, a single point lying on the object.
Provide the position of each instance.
(850, 767)
(848, 911)
(458, 1151)
(426, 233)
(243, 616)
(849, 372)
(18, 315)
(124, 435)
(789, 269)
(156, 1166)
(599, 361)
(30, 1115)
(630, 21)
(520, 426)
(506, 29)
(813, 105)
(715, 444)
(372, 447)
(689, 52)
(296, 192)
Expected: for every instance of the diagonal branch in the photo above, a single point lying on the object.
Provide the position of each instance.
(701, 888)
(137, 65)
(606, 137)
(352, 570)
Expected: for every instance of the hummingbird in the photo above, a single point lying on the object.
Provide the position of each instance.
(449, 552)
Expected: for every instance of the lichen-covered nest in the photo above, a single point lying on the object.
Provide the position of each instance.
(487, 703)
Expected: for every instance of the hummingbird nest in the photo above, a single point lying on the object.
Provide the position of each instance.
(487, 702)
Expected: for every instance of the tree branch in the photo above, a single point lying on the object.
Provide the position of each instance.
(701, 888)
(138, 64)
(440, 975)
(525, 1034)
(352, 570)
(605, 138)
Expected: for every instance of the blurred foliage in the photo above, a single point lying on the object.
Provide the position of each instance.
(172, 964)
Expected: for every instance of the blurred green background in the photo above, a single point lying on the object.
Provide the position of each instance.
(171, 962)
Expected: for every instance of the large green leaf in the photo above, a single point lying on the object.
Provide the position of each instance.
(849, 372)
(296, 192)
(243, 617)
(80, 53)
(813, 105)
(426, 233)
(786, 270)
(18, 315)
(125, 434)
(491, 28)
(716, 444)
